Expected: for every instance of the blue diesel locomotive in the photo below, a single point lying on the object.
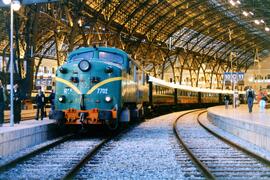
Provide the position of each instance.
(99, 85)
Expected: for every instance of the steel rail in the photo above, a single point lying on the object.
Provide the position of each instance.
(196, 160)
(72, 172)
(205, 169)
(231, 143)
(35, 152)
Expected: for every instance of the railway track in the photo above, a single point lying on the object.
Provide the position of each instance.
(59, 161)
(144, 153)
(150, 151)
(217, 159)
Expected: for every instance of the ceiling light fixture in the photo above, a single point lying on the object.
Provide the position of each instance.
(256, 21)
(6, 2)
(80, 22)
(232, 2)
(16, 5)
(245, 13)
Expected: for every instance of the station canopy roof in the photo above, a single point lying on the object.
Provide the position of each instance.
(213, 28)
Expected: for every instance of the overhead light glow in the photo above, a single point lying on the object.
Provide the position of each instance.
(6, 2)
(232, 2)
(16, 5)
(262, 21)
(256, 21)
(238, 2)
(80, 22)
(251, 13)
(267, 29)
(245, 13)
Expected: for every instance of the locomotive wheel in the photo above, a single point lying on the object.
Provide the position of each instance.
(61, 123)
(59, 116)
(112, 124)
(142, 113)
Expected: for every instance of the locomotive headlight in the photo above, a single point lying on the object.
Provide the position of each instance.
(61, 99)
(84, 65)
(108, 99)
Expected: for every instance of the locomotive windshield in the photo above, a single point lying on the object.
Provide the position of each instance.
(86, 55)
(111, 57)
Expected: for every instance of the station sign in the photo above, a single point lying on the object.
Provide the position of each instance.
(28, 2)
(44, 82)
(234, 77)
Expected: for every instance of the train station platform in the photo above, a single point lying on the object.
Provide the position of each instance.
(26, 114)
(252, 127)
(26, 134)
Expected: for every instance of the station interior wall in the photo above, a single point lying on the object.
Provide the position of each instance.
(258, 76)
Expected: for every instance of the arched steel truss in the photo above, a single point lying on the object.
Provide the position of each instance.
(157, 33)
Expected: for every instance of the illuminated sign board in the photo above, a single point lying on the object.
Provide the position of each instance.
(234, 77)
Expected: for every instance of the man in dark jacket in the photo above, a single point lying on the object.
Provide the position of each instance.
(40, 101)
(226, 100)
(2, 103)
(17, 104)
(51, 98)
(250, 98)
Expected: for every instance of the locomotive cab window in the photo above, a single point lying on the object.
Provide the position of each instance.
(111, 57)
(78, 57)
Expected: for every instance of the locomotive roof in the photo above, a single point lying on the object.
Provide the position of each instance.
(102, 48)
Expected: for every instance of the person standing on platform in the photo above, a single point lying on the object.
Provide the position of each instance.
(17, 104)
(40, 101)
(226, 100)
(51, 99)
(3, 100)
(262, 100)
(250, 98)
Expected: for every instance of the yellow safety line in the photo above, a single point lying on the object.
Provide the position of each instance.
(102, 83)
(69, 84)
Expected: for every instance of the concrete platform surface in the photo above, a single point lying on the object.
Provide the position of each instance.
(26, 134)
(25, 124)
(26, 114)
(241, 113)
(253, 127)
